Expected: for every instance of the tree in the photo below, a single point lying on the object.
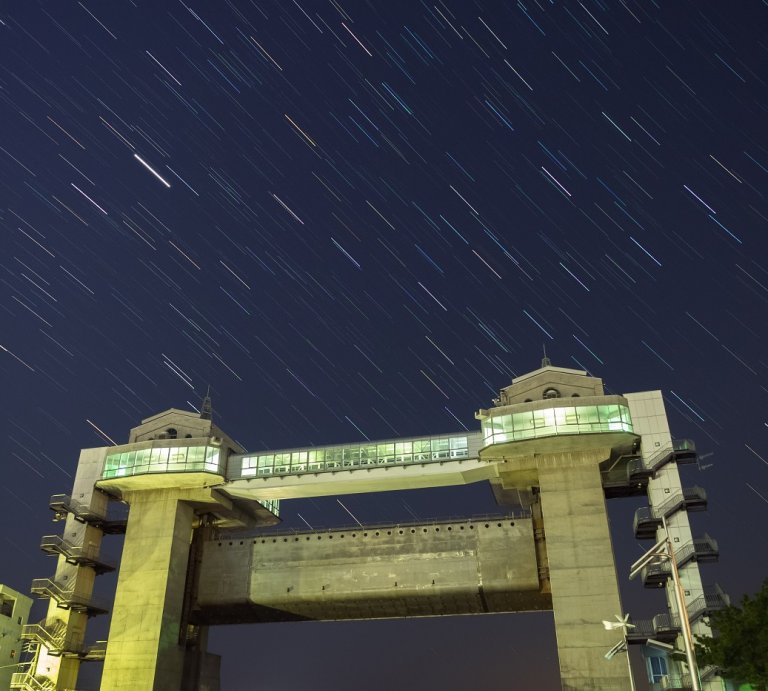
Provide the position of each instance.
(740, 648)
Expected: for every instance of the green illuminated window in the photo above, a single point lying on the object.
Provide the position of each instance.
(546, 422)
(351, 456)
(162, 459)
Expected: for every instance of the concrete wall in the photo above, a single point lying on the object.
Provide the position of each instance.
(14, 612)
(368, 573)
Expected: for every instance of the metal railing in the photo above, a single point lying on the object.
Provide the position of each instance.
(662, 627)
(53, 635)
(67, 599)
(689, 495)
(637, 469)
(711, 600)
(673, 682)
(62, 504)
(28, 682)
(702, 548)
(648, 518)
(87, 555)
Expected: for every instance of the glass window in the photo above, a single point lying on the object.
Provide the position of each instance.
(158, 460)
(316, 459)
(178, 455)
(494, 430)
(403, 452)
(195, 457)
(282, 462)
(441, 448)
(298, 461)
(523, 424)
(421, 449)
(385, 453)
(459, 443)
(657, 668)
(610, 416)
(589, 420)
(368, 454)
(142, 460)
(544, 422)
(351, 455)
(212, 459)
(333, 457)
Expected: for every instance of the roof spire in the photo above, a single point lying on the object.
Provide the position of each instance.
(206, 409)
(545, 361)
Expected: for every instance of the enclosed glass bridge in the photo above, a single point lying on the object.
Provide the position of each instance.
(495, 429)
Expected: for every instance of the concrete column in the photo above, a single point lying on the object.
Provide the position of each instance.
(582, 572)
(144, 652)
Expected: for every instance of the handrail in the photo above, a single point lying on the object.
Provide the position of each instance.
(51, 588)
(710, 600)
(75, 507)
(63, 503)
(79, 552)
(698, 547)
(53, 634)
(638, 467)
(682, 497)
(25, 680)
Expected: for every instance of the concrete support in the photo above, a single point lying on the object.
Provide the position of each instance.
(582, 572)
(144, 652)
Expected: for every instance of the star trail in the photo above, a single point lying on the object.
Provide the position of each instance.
(358, 219)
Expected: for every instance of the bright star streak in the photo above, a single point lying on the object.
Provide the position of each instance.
(151, 170)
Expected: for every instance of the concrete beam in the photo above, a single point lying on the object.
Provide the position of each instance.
(463, 567)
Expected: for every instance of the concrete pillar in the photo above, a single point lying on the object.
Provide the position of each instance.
(144, 653)
(582, 571)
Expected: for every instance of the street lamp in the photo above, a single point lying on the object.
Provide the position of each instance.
(661, 551)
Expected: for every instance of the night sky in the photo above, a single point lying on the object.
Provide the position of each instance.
(359, 219)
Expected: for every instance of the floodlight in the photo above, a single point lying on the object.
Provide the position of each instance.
(647, 559)
(620, 647)
(652, 643)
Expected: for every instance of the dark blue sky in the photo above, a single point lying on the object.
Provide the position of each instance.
(363, 218)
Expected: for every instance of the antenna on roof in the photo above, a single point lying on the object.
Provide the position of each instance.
(545, 361)
(206, 409)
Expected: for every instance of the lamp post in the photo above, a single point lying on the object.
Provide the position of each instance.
(663, 550)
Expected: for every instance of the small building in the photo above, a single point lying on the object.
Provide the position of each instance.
(14, 612)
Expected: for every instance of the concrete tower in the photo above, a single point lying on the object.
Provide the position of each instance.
(554, 448)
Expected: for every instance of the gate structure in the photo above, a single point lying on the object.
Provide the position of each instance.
(553, 447)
